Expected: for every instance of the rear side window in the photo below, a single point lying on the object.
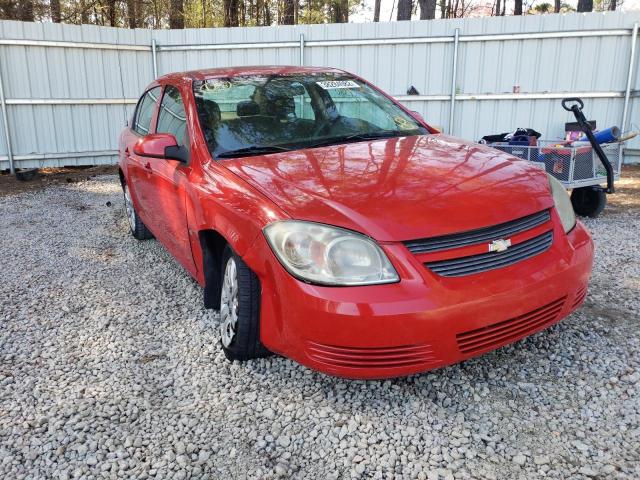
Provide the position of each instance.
(172, 117)
(144, 111)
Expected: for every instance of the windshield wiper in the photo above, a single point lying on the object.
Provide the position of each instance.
(356, 137)
(253, 150)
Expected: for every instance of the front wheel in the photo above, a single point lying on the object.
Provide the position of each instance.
(588, 201)
(240, 310)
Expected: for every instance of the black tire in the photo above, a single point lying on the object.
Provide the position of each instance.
(138, 229)
(588, 201)
(245, 344)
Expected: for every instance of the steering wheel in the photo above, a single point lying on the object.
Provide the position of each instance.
(325, 126)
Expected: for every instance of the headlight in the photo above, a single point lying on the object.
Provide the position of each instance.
(563, 204)
(327, 255)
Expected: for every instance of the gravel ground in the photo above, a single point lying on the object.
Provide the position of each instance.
(111, 368)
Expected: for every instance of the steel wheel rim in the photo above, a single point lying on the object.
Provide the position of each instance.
(131, 213)
(229, 303)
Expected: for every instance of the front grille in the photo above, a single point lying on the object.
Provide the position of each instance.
(457, 267)
(383, 357)
(472, 237)
(581, 294)
(502, 333)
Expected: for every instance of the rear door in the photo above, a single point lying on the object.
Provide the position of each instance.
(138, 168)
(170, 179)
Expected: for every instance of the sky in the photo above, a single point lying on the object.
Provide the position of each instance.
(366, 14)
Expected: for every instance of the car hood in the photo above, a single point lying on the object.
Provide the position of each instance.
(399, 188)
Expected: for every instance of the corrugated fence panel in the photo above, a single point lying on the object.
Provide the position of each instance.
(81, 133)
(56, 73)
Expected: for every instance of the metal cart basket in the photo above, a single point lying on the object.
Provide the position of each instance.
(575, 167)
(582, 168)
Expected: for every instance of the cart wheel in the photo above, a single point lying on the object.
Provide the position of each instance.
(588, 201)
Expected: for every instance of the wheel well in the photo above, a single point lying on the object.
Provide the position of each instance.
(121, 175)
(212, 244)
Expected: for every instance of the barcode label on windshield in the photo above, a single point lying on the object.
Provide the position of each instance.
(333, 84)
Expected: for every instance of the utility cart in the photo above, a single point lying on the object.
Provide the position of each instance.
(582, 167)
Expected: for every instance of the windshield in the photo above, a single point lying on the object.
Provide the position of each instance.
(252, 115)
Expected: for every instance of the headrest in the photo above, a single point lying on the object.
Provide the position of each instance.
(280, 106)
(209, 108)
(247, 108)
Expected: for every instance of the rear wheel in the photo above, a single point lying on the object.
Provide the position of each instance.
(138, 229)
(588, 201)
(240, 310)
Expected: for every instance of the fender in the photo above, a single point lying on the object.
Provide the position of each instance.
(220, 201)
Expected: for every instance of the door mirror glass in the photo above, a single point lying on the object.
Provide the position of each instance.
(160, 145)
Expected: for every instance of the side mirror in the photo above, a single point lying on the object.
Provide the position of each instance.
(161, 145)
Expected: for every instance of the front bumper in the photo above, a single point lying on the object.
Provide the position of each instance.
(425, 321)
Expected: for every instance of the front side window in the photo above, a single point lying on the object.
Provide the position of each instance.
(172, 117)
(261, 114)
(144, 111)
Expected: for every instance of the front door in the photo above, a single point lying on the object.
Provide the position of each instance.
(169, 181)
(139, 168)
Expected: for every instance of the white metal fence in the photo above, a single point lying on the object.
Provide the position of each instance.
(66, 90)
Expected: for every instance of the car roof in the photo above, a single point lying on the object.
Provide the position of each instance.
(227, 72)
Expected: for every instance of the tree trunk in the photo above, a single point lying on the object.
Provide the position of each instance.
(258, 13)
(518, 7)
(111, 12)
(288, 13)
(84, 12)
(340, 11)
(267, 13)
(556, 6)
(427, 9)
(25, 11)
(612, 5)
(235, 8)
(55, 11)
(585, 5)
(131, 13)
(230, 13)
(376, 11)
(176, 14)
(226, 13)
(404, 9)
(7, 9)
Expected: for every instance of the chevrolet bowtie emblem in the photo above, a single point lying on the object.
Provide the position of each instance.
(499, 245)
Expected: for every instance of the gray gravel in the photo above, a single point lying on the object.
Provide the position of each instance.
(111, 368)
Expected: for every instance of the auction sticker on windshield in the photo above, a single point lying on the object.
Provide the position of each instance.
(333, 84)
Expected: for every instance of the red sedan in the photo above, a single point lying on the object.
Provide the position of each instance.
(331, 225)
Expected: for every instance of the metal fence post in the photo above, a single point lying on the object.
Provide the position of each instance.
(5, 122)
(454, 74)
(154, 59)
(302, 49)
(627, 92)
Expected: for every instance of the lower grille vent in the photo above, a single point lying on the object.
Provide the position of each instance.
(580, 296)
(508, 331)
(384, 357)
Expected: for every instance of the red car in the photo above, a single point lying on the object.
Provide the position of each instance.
(331, 225)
